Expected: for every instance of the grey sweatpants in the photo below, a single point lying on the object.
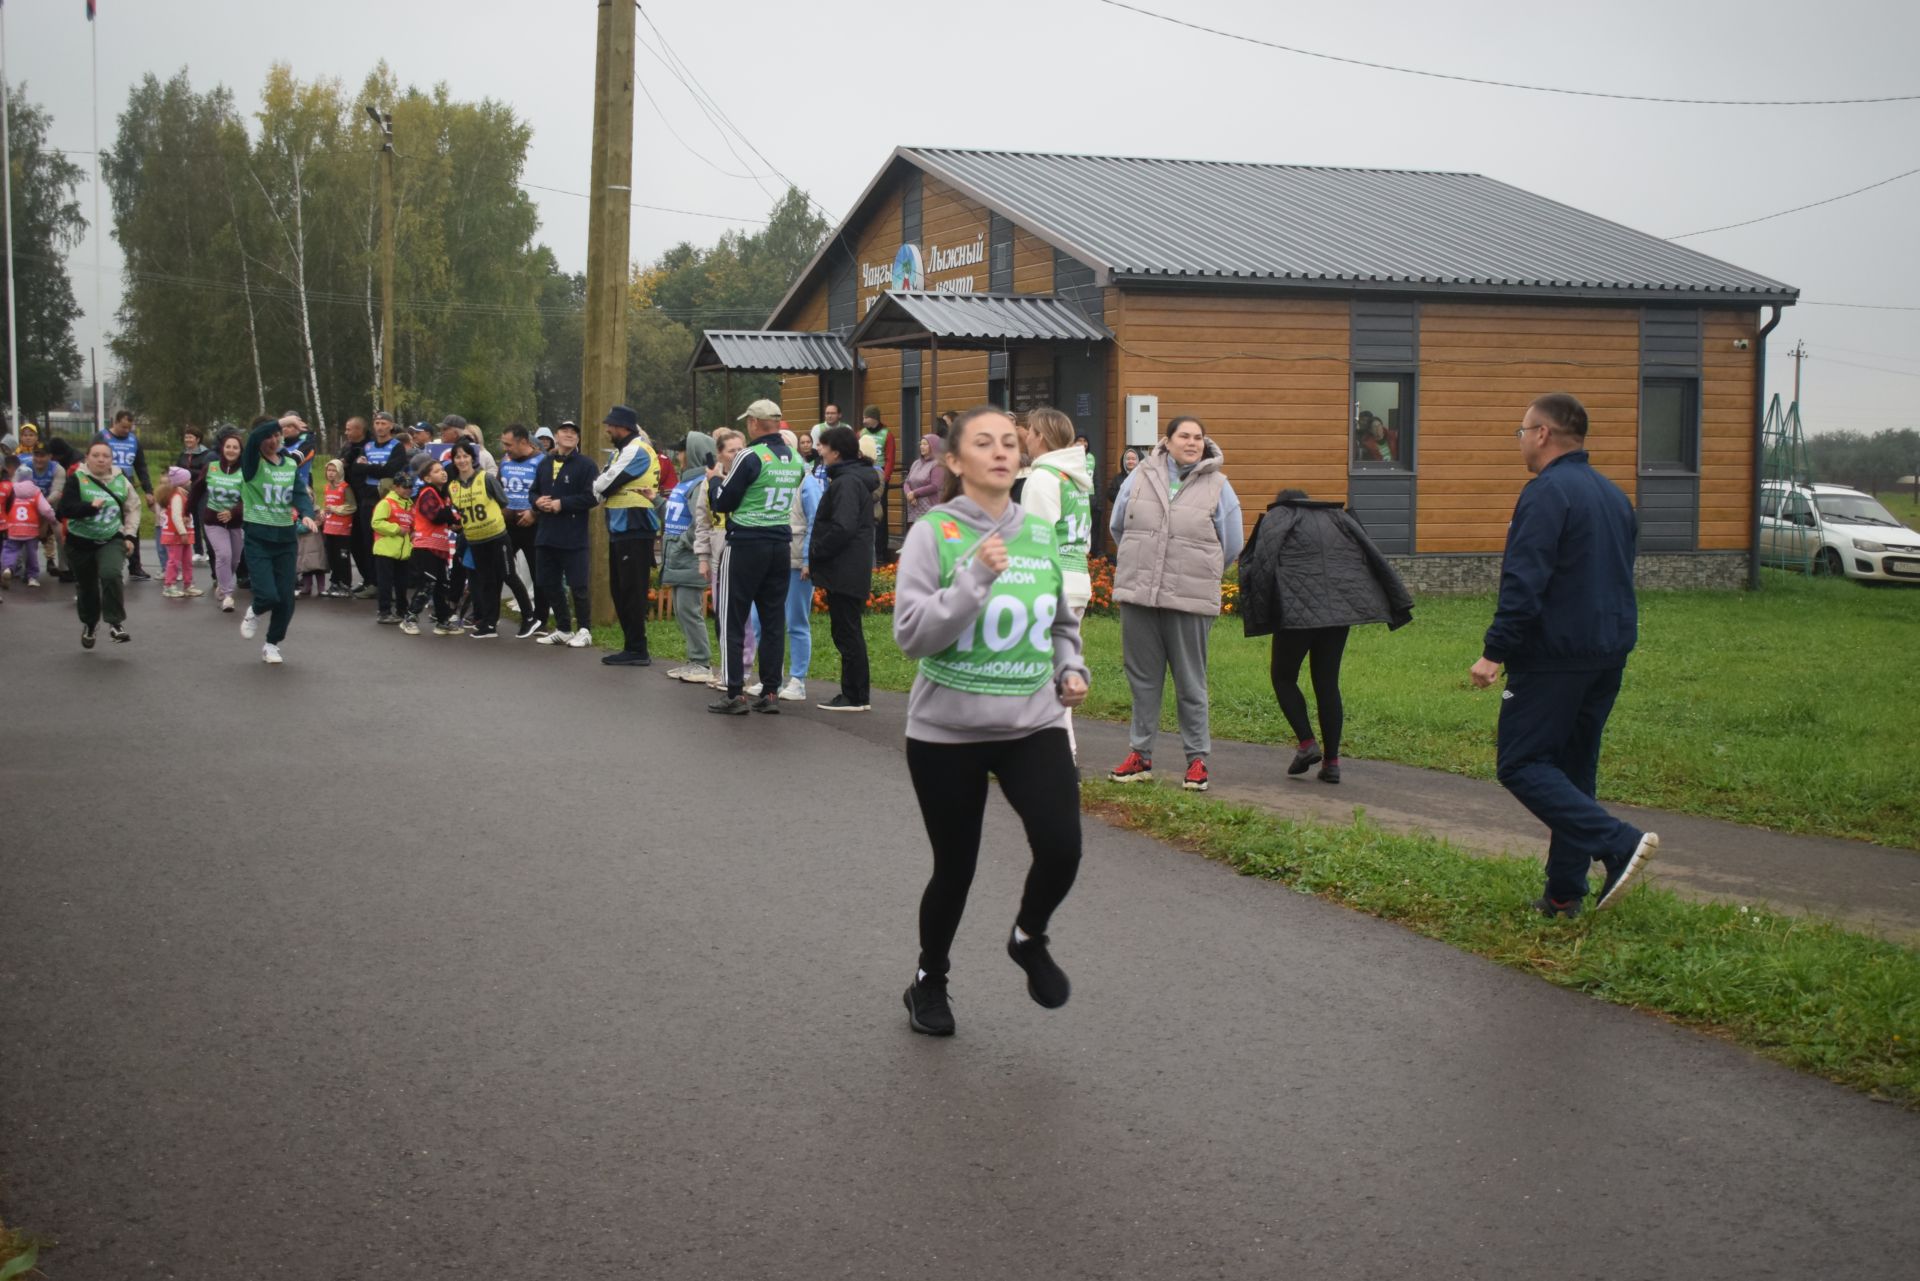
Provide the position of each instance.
(1151, 642)
(690, 611)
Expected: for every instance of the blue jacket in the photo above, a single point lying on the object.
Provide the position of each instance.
(570, 479)
(1566, 580)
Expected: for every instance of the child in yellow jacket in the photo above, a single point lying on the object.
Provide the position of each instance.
(392, 546)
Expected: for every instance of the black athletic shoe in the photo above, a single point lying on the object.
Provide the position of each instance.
(483, 633)
(1330, 772)
(1553, 907)
(767, 705)
(86, 638)
(529, 627)
(118, 633)
(734, 706)
(1618, 874)
(1046, 982)
(1304, 759)
(388, 620)
(139, 574)
(626, 658)
(841, 703)
(927, 1010)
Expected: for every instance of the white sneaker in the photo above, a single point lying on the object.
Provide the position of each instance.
(555, 637)
(196, 591)
(270, 653)
(753, 690)
(33, 582)
(6, 576)
(226, 604)
(248, 624)
(198, 559)
(581, 639)
(172, 593)
(794, 691)
(694, 674)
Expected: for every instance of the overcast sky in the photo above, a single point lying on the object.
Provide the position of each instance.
(826, 89)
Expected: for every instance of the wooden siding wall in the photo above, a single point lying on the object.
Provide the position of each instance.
(1268, 377)
(1726, 431)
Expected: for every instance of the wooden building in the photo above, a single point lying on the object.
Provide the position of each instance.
(1367, 335)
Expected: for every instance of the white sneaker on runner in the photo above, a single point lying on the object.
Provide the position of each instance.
(794, 691)
(270, 653)
(226, 604)
(580, 639)
(248, 623)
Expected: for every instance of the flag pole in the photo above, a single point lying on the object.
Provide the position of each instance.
(99, 233)
(6, 196)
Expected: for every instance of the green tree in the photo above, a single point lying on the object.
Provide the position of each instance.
(46, 224)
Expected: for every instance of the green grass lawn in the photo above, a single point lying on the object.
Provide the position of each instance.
(1789, 708)
(1903, 505)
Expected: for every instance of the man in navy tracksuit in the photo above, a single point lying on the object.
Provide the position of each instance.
(1564, 625)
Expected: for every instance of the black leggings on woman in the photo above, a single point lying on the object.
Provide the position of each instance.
(1324, 645)
(1038, 778)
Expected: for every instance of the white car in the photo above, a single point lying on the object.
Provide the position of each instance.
(1844, 531)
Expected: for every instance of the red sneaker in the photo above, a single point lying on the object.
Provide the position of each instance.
(1135, 769)
(1196, 779)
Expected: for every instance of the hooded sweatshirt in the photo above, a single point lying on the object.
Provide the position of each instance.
(928, 618)
(1070, 513)
(679, 562)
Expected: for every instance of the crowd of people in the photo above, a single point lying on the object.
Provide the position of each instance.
(991, 586)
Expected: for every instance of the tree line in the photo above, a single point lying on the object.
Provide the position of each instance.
(252, 248)
(1876, 463)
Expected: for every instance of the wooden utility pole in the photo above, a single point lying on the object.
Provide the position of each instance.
(387, 337)
(1799, 353)
(603, 381)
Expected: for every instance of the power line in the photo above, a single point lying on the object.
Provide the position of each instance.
(1861, 306)
(692, 213)
(1507, 84)
(1797, 208)
(701, 156)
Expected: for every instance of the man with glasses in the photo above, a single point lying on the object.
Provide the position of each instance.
(1564, 625)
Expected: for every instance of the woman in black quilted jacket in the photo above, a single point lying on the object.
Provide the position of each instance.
(1308, 574)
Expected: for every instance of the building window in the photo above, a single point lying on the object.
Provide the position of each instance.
(997, 393)
(909, 421)
(1669, 413)
(1382, 430)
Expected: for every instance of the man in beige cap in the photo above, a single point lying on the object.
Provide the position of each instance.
(757, 500)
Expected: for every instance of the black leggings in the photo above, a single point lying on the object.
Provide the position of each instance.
(1038, 778)
(1324, 645)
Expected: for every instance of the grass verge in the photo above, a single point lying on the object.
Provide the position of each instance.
(19, 1254)
(1806, 993)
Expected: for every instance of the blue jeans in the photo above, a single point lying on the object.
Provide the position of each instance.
(799, 624)
(1549, 758)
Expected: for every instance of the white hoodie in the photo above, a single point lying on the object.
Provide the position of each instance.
(1040, 496)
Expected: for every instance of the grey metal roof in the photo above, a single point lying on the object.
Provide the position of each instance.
(985, 321)
(771, 351)
(1216, 221)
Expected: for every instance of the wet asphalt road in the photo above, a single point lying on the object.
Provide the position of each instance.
(421, 957)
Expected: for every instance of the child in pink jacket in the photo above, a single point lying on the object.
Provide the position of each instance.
(26, 508)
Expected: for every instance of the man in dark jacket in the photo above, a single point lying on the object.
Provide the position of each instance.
(841, 559)
(757, 500)
(367, 463)
(1564, 625)
(563, 495)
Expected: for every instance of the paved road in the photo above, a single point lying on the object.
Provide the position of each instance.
(531, 966)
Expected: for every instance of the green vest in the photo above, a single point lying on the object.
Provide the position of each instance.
(104, 525)
(879, 439)
(768, 502)
(1008, 647)
(267, 499)
(223, 488)
(1074, 530)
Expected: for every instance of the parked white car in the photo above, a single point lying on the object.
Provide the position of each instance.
(1845, 531)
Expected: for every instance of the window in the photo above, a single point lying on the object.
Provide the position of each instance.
(997, 392)
(1668, 418)
(1382, 429)
(1799, 511)
(909, 421)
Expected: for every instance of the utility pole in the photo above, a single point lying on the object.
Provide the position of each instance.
(1799, 353)
(384, 120)
(6, 196)
(603, 381)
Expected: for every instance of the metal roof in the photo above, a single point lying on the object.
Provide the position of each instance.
(1137, 220)
(771, 351)
(982, 321)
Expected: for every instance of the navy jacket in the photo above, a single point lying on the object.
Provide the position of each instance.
(1566, 580)
(566, 529)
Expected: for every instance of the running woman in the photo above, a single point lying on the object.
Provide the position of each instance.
(275, 509)
(218, 510)
(102, 511)
(981, 601)
(483, 521)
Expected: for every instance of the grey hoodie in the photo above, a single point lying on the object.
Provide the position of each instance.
(927, 618)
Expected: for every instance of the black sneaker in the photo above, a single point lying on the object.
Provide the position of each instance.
(730, 706)
(1046, 982)
(140, 574)
(927, 1010)
(118, 633)
(86, 638)
(1330, 772)
(767, 705)
(388, 620)
(1554, 907)
(1304, 759)
(626, 658)
(1619, 874)
(529, 627)
(841, 703)
(484, 633)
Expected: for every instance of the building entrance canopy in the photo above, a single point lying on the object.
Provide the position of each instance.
(972, 322)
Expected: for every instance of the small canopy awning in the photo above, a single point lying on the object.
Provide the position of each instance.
(972, 322)
(770, 351)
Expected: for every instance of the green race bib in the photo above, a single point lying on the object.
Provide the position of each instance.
(267, 499)
(768, 501)
(223, 489)
(1008, 647)
(105, 523)
(1074, 531)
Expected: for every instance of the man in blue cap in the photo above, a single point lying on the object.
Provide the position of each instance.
(626, 488)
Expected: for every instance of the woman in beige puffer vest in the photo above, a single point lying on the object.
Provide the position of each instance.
(1177, 524)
